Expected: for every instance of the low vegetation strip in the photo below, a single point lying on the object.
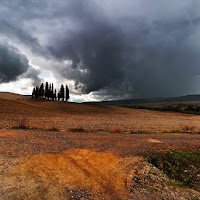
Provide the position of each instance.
(180, 107)
(181, 166)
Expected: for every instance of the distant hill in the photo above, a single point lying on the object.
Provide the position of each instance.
(181, 99)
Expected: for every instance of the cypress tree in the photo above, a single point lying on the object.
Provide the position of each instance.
(58, 96)
(49, 91)
(67, 93)
(37, 92)
(62, 92)
(52, 95)
(55, 94)
(41, 91)
(46, 90)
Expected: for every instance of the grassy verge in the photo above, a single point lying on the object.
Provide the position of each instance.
(183, 167)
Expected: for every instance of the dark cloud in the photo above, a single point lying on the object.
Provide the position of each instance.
(96, 61)
(16, 23)
(130, 56)
(18, 33)
(14, 65)
(113, 49)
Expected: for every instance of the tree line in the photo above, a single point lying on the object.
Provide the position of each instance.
(48, 92)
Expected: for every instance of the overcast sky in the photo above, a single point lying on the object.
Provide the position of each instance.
(103, 49)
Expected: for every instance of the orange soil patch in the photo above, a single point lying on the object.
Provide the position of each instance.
(154, 140)
(103, 175)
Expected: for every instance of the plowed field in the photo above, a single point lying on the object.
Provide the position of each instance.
(46, 114)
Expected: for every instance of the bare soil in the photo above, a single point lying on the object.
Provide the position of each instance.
(47, 114)
(17, 143)
(96, 164)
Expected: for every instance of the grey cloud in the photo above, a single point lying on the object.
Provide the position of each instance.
(114, 49)
(14, 65)
(23, 37)
(97, 60)
(33, 74)
(16, 17)
(131, 55)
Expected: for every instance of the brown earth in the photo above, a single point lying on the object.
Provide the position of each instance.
(85, 174)
(58, 165)
(17, 143)
(46, 114)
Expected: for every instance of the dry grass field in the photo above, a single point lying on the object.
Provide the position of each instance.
(84, 151)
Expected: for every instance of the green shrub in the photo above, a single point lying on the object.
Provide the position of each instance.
(183, 167)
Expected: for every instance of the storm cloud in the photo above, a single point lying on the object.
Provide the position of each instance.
(110, 49)
(128, 55)
(14, 65)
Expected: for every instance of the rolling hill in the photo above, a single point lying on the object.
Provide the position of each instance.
(47, 114)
